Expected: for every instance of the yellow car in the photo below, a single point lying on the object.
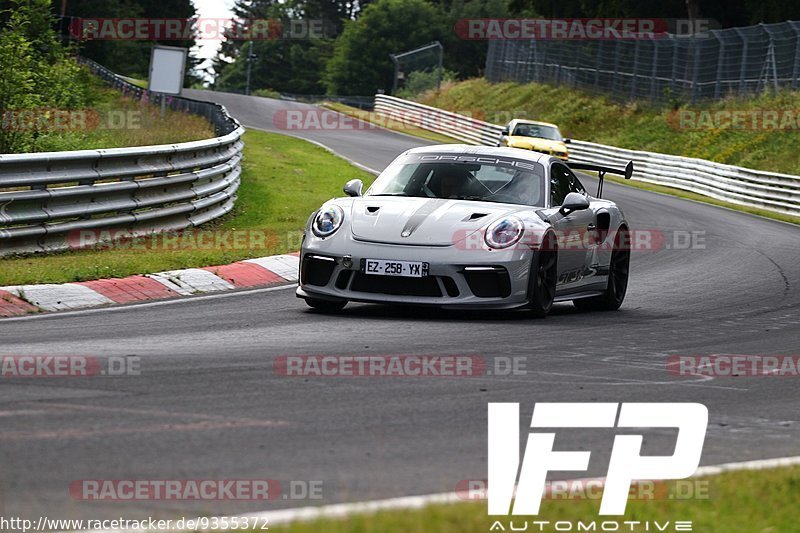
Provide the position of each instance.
(540, 137)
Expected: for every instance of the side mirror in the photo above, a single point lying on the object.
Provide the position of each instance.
(504, 132)
(574, 201)
(353, 187)
(567, 140)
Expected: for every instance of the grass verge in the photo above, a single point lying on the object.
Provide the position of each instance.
(112, 120)
(393, 125)
(284, 179)
(747, 501)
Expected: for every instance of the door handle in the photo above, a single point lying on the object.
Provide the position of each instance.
(591, 227)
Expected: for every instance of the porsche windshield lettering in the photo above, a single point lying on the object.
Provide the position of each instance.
(513, 163)
(463, 177)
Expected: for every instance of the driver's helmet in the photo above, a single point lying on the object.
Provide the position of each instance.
(450, 180)
(523, 187)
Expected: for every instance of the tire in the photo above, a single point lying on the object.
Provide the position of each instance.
(543, 278)
(618, 274)
(326, 306)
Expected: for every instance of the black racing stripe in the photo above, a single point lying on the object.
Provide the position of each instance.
(420, 215)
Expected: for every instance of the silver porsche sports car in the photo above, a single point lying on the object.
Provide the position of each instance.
(469, 227)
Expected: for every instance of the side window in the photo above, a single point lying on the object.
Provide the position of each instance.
(559, 184)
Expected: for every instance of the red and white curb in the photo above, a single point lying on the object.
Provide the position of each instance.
(20, 300)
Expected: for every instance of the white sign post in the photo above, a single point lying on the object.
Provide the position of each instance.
(167, 68)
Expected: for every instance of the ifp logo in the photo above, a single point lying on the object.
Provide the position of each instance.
(625, 466)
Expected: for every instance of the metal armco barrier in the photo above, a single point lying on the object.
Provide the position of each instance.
(753, 188)
(53, 201)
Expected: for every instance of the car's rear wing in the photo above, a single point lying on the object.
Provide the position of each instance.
(601, 172)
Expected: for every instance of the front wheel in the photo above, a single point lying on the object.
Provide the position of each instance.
(618, 272)
(542, 279)
(326, 306)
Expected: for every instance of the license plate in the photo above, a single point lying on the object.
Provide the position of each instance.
(383, 267)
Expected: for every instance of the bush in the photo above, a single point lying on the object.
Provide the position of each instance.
(423, 80)
(267, 93)
(37, 73)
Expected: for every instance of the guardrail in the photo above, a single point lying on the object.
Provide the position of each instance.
(742, 186)
(48, 199)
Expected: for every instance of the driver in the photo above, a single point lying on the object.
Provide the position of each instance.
(523, 187)
(449, 182)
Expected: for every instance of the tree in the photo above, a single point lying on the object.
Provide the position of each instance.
(37, 73)
(468, 58)
(283, 63)
(131, 58)
(360, 64)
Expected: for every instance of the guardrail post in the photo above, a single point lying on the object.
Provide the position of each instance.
(796, 66)
(654, 70)
(674, 66)
(695, 67)
(720, 63)
(616, 63)
(743, 65)
(635, 67)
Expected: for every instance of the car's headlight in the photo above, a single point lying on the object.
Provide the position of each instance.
(504, 232)
(327, 221)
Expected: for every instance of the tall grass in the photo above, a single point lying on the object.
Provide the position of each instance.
(124, 121)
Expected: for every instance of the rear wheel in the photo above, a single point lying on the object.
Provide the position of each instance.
(326, 306)
(543, 277)
(618, 271)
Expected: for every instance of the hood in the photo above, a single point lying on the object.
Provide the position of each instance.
(423, 221)
(536, 143)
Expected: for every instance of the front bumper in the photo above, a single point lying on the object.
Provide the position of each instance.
(331, 269)
(564, 156)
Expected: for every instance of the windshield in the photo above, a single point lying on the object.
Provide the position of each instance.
(464, 177)
(538, 130)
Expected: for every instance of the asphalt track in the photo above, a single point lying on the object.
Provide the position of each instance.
(208, 404)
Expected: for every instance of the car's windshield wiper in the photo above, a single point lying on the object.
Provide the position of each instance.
(390, 194)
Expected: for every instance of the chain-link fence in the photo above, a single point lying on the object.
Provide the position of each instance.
(418, 70)
(661, 68)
